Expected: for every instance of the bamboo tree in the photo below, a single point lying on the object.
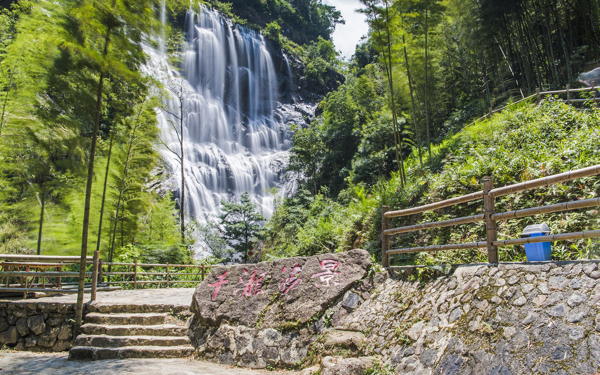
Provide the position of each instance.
(117, 23)
(426, 97)
(110, 147)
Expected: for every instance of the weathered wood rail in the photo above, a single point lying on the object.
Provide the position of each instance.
(490, 217)
(166, 274)
(18, 274)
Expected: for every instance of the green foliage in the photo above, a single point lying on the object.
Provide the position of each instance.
(241, 223)
(320, 57)
(273, 32)
(302, 20)
(522, 143)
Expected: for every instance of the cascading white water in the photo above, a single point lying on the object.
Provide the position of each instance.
(233, 143)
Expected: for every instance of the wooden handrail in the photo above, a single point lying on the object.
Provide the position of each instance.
(545, 181)
(435, 206)
(550, 238)
(560, 207)
(460, 246)
(491, 217)
(160, 265)
(437, 224)
(46, 258)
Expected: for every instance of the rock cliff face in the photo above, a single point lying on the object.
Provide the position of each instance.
(268, 313)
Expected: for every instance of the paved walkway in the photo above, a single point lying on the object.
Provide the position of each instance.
(172, 296)
(57, 364)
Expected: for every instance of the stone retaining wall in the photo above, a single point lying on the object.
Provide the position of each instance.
(39, 327)
(480, 319)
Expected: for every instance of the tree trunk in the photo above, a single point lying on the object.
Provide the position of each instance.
(43, 204)
(182, 211)
(426, 98)
(112, 135)
(412, 100)
(121, 190)
(10, 79)
(88, 190)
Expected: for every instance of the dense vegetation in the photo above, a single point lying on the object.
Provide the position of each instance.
(78, 135)
(392, 134)
(522, 143)
(75, 108)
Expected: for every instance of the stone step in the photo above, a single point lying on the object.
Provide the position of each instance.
(112, 308)
(134, 330)
(146, 319)
(103, 341)
(87, 353)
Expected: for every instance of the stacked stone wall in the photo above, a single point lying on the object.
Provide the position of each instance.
(39, 327)
(484, 319)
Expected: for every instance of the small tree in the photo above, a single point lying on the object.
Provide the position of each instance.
(240, 224)
(179, 92)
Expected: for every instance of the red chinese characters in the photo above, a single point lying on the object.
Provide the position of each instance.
(293, 281)
(253, 286)
(218, 284)
(329, 267)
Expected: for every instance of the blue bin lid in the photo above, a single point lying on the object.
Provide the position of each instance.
(535, 228)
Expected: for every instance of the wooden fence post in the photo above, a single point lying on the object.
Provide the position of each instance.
(135, 274)
(568, 94)
(167, 267)
(490, 224)
(202, 277)
(100, 277)
(385, 239)
(95, 275)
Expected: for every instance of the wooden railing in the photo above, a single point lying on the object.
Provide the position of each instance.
(38, 273)
(540, 94)
(490, 217)
(154, 274)
(19, 273)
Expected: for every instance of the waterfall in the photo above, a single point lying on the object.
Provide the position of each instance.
(234, 141)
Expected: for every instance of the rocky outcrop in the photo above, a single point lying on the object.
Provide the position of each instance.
(484, 319)
(268, 313)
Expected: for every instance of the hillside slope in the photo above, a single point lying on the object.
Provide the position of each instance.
(522, 143)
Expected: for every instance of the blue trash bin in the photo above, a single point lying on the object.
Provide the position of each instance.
(540, 251)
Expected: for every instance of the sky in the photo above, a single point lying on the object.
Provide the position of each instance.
(346, 36)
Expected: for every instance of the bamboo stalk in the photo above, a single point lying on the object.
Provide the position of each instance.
(470, 245)
(545, 181)
(437, 224)
(550, 238)
(435, 206)
(574, 205)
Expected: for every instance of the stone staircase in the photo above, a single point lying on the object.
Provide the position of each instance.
(133, 331)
